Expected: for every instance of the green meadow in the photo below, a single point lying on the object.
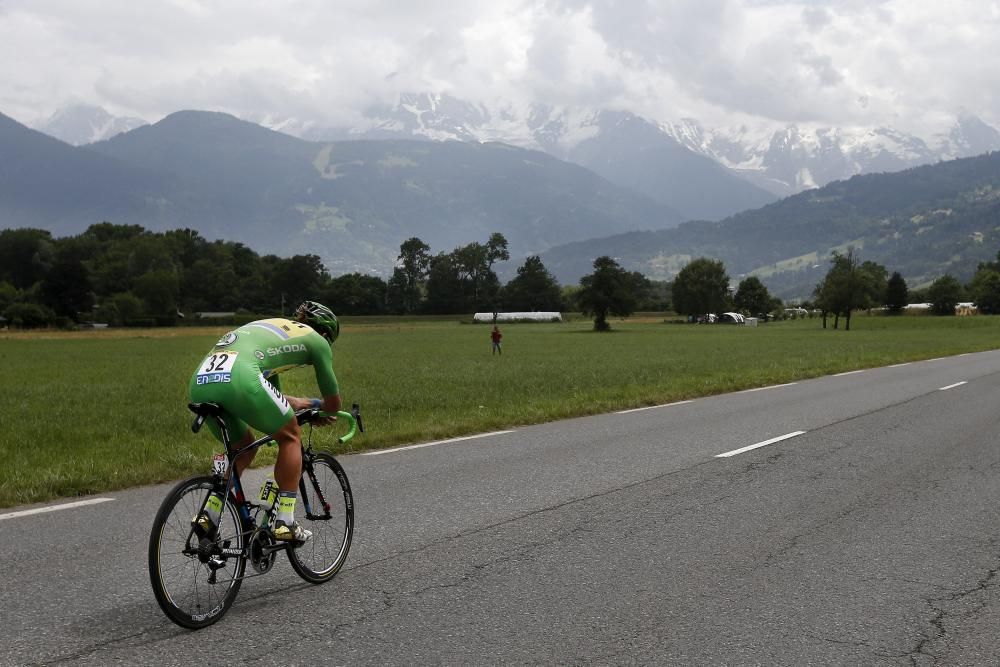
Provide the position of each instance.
(92, 411)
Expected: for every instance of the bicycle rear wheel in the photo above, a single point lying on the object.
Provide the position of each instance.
(181, 567)
(328, 511)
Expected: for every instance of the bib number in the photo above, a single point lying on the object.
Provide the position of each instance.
(217, 367)
(220, 464)
(219, 362)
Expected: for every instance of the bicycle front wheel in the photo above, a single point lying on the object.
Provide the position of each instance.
(195, 581)
(328, 506)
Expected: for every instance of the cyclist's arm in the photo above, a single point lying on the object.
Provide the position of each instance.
(322, 361)
(330, 403)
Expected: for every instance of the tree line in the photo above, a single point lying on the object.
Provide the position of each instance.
(853, 285)
(703, 286)
(125, 275)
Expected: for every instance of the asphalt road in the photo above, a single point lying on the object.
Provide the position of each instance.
(869, 538)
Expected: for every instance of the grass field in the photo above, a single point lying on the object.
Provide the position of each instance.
(87, 412)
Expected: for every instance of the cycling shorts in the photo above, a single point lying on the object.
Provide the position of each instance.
(247, 400)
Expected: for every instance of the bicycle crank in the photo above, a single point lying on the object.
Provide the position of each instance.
(262, 551)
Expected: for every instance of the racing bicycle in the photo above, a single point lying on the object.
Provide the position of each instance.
(196, 578)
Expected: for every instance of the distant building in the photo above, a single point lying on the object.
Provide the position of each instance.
(536, 316)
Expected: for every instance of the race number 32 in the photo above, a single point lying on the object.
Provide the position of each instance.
(219, 464)
(220, 362)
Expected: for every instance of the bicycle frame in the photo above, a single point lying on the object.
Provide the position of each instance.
(234, 489)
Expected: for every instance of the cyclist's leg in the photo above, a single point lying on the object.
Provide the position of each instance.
(240, 436)
(288, 467)
(267, 410)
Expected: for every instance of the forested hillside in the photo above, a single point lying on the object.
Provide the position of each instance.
(924, 222)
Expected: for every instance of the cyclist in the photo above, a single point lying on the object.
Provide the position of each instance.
(241, 375)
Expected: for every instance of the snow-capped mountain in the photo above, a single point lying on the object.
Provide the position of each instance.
(782, 160)
(969, 136)
(792, 159)
(82, 124)
(623, 148)
(656, 157)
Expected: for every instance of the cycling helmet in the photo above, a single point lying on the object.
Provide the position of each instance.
(320, 318)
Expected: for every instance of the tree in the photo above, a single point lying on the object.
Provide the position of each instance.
(208, 282)
(874, 284)
(849, 286)
(461, 280)
(945, 293)
(534, 288)
(356, 294)
(474, 263)
(609, 290)
(413, 264)
(66, 287)
(8, 295)
(445, 291)
(25, 256)
(397, 298)
(656, 296)
(752, 296)
(29, 315)
(299, 278)
(701, 287)
(896, 293)
(479, 283)
(496, 249)
(984, 289)
(159, 291)
(127, 307)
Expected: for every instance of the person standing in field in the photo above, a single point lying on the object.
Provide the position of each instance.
(241, 374)
(495, 336)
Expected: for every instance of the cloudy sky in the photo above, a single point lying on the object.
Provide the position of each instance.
(907, 63)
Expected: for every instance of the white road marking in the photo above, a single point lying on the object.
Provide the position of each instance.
(53, 508)
(900, 365)
(760, 444)
(934, 359)
(952, 386)
(651, 407)
(773, 386)
(837, 375)
(431, 444)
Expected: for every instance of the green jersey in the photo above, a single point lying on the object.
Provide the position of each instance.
(240, 373)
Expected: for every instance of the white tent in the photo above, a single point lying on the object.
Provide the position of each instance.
(537, 316)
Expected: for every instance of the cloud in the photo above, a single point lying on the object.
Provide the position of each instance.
(904, 62)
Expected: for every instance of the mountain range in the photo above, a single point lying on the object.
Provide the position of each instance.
(354, 201)
(703, 173)
(780, 160)
(350, 202)
(923, 222)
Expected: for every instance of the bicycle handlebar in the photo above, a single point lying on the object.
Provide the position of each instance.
(204, 410)
(353, 419)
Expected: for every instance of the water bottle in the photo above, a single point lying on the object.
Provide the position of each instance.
(268, 493)
(208, 519)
